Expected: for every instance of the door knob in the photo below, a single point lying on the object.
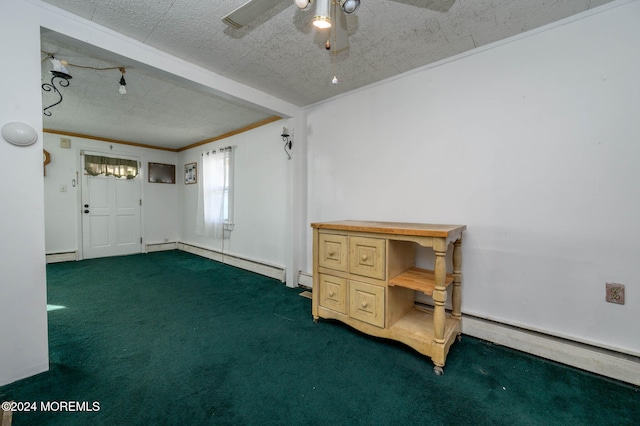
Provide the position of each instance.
(86, 211)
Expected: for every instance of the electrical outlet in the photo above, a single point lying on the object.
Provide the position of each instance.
(615, 293)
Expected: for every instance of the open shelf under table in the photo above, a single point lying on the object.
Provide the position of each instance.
(419, 279)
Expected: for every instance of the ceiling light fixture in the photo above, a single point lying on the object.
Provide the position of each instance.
(349, 6)
(123, 84)
(60, 72)
(322, 20)
(303, 4)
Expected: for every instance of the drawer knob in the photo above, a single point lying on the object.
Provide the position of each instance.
(331, 294)
(364, 257)
(332, 253)
(364, 303)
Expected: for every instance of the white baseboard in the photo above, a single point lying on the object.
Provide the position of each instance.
(151, 248)
(605, 362)
(272, 271)
(70, 256)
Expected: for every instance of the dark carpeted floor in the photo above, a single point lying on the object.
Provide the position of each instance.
(174, 339)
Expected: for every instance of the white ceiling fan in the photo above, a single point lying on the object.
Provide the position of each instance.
(338, 40)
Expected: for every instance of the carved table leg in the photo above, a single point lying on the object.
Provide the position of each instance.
(439, 297)
(456, 296)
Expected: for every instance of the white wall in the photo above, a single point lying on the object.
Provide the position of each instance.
(23, 315)
(260, 196)
(533, 144)
(160, 211)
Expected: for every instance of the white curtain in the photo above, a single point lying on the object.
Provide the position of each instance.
(212, 202)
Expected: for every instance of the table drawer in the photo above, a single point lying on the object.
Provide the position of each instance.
(366, 303)
(332, 251)
(333, 293)
(367, 257)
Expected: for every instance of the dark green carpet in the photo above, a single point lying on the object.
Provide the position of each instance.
(174, 339)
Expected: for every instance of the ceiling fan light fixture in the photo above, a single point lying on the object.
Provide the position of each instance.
(322, 19)
(303, 4)
(349, 6)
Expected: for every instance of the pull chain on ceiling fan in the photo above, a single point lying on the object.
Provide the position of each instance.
(334, 30)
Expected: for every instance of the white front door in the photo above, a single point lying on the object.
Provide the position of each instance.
(110, 216)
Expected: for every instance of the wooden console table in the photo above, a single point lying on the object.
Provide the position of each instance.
(364, 275)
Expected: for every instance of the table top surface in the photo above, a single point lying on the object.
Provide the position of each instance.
(395, 228)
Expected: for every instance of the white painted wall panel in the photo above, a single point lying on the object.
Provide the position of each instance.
(23, 313)
(533, 144)
(260, 196)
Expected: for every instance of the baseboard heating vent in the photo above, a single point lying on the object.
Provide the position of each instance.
(305, 280)
(69, 256)
(272, 271)
(605, 362)
(150, 248)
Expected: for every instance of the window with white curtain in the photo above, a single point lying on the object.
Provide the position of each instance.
(215, 194)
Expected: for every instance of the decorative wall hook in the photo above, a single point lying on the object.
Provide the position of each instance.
(288, 143)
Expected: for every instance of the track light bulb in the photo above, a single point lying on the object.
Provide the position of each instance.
(322, 19)
(349, 6)
(303, 4)
(123, 86)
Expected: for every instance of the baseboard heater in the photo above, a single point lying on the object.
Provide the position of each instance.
(602, 361)
(154, 247)
(67, 256)
(605, 362)
(261, 268)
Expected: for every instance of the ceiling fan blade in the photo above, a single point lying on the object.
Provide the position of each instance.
(248, 12)
(341, 42)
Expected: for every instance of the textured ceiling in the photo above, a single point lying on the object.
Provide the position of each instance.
(155, 111)
(279, 54)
